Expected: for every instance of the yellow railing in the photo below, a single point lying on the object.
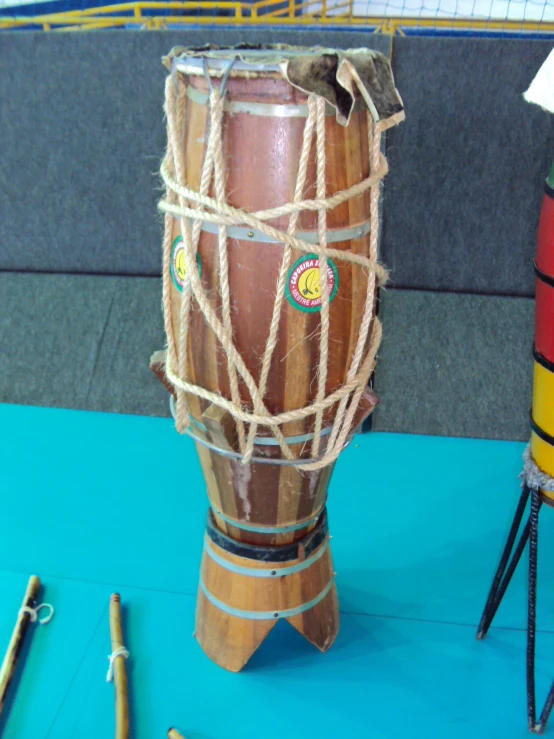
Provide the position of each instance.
(327, 13)
(297, 11)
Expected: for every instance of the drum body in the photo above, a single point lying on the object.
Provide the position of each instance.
(263, 126)
(270, 152)
(542, 439)
(544, 267)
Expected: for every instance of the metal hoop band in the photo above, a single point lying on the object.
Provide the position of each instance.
(269, 440)
(269, 529)
(256, 460)
(266, 615)
(352, 233)
(292, 552)
(298, 463)
(272, 574)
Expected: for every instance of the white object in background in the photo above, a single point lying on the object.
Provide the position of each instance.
(15, 3)
(541, 90)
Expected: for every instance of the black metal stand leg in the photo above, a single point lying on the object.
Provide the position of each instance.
(532, 612)
(545, 715)
(500, 583)
(505, 571)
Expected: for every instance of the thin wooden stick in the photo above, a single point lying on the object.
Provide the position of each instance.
(16, 642)
(174, 734)
(119, 671)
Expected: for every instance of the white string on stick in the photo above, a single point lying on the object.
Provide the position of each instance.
(33, 613)
(119, 652)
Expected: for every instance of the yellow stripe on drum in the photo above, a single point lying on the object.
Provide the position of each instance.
(543, 454)
(543, 398)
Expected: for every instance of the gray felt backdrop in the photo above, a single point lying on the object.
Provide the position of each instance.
(463, 197)
(81, 138)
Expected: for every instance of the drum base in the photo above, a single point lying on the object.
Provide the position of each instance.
(244, 590)
(508, 563)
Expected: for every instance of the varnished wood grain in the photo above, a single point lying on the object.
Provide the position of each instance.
(174, 734)
(221, 427)
(261, 158)
(263, 487)
(229, 640)
(15, 645)
(119, 671)
(157, 365)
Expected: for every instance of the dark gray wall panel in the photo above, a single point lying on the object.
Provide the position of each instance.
(81, 139)
(452, 365)
(455, 365)
(72, 341)
(467, 166)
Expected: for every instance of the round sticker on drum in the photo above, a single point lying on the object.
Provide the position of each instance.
(178, 263)
(303, 283)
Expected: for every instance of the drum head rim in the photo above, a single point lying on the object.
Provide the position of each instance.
(266, 58)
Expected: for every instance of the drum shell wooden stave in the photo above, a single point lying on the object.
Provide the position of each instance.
(263, 503)
(270, 147)
(261, 156)
(542, 436)
(240, 597)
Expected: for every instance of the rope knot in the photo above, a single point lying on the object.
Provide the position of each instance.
(119, 652)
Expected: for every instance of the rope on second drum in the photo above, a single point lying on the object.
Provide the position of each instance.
(179, 199)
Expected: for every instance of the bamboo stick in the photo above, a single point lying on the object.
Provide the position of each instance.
(174, 734)
(9, 664)
(119, 670)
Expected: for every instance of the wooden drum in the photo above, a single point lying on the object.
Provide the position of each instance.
(542, 439)
(270, 273)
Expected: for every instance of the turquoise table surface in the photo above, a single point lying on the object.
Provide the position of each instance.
(94, 503)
